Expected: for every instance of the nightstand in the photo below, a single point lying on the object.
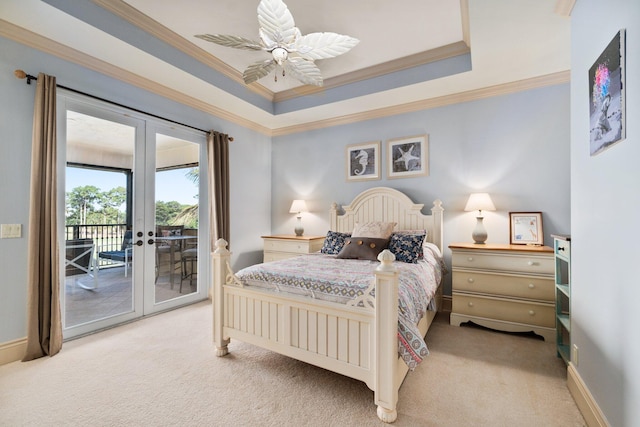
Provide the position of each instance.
(285, 246)
(505, 287)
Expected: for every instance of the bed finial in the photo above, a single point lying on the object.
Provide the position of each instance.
(386, 258)
(221, 246)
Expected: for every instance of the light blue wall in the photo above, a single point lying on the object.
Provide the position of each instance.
(516, 147)
(250, 166)
(605, 203)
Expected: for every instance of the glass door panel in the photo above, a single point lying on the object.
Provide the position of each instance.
(99, 262)
(177, 217)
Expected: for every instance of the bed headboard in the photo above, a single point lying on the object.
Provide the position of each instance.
(389, 205)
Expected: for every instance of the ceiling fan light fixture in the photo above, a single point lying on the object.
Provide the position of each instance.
(289, 49)
(280, 55)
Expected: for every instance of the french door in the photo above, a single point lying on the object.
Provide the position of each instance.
(133, 198)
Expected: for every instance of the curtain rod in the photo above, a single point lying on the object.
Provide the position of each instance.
(22, 75)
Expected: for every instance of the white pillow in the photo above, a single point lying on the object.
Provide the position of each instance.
(377, 229)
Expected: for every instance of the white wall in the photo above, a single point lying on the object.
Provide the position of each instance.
(605, 203)
(516, 147)
(250, 166)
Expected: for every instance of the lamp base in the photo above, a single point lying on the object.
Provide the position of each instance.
(479, 234)
(299, 230)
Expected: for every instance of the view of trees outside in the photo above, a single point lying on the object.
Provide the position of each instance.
(90, 205)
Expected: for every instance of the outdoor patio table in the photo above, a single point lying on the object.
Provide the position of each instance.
(173, 242)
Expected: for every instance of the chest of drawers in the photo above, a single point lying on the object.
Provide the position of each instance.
(504, 287)
(286, 246)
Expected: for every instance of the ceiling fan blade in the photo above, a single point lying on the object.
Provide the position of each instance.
(231, 41)
(258, 70)
(324, 45)
(276, 21)
(304, 70)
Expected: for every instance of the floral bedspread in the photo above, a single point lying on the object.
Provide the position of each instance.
(328, 278)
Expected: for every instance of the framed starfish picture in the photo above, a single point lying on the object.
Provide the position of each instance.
(408, 157)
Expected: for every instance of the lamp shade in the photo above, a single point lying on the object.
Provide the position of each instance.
(479, 202)
(298, 206)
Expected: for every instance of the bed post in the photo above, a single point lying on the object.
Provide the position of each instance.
(386, 336)
(220, 258)
(437, 212)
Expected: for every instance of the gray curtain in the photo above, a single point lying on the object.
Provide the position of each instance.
(218, 164)
(44, 323)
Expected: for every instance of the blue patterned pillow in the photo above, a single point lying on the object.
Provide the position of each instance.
(334, 242)
(407, 247)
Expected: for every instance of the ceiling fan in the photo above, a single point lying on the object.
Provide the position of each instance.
(289, 49)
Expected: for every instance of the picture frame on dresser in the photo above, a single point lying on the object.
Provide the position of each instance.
(363, 161)
(408, 157)
(525, 228)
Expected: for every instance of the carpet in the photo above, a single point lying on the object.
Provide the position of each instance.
(162, 371)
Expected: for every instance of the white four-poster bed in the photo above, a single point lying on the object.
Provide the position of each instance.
(359, 341)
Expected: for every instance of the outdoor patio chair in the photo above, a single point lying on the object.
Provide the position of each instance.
(124, 255)
(169, 245)
(189, 260)
(80, 259)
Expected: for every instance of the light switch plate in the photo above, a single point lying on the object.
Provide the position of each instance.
(10, 231)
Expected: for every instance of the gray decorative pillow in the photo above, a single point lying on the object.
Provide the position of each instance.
(334, 242)
(363, 248)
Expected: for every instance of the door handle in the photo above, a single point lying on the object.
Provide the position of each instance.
(139, 243)
(150, 241)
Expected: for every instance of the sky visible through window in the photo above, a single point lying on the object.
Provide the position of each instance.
(171, 185)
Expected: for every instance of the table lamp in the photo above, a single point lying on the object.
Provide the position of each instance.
(297, 207)
(479, 202)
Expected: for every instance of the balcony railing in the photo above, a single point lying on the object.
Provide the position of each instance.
(106, 237)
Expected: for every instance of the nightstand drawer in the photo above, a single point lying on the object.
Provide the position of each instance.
(531, 313)
(290, 246)
(519, 263)
(527, 287)
(277, 256)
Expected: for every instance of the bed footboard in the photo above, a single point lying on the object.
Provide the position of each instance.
(359, 342)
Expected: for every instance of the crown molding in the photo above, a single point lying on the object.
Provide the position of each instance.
(153, 27)
(464, 15)
(564, 7)
(36, 41)
(425, 104)
(149, 25)
(433, 55)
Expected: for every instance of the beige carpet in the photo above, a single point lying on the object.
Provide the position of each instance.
(161, 371)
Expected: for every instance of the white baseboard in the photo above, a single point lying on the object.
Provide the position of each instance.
(584, 400)
(12, 350)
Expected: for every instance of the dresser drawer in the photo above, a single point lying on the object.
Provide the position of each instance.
(526, 287)
(521, 263)
(291, 246)
(530, 313)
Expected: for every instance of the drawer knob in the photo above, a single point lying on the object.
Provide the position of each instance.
(470, 304)
(532, 313)
(531, 286)
(530, 263)
(470, 280)
(470, 259)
